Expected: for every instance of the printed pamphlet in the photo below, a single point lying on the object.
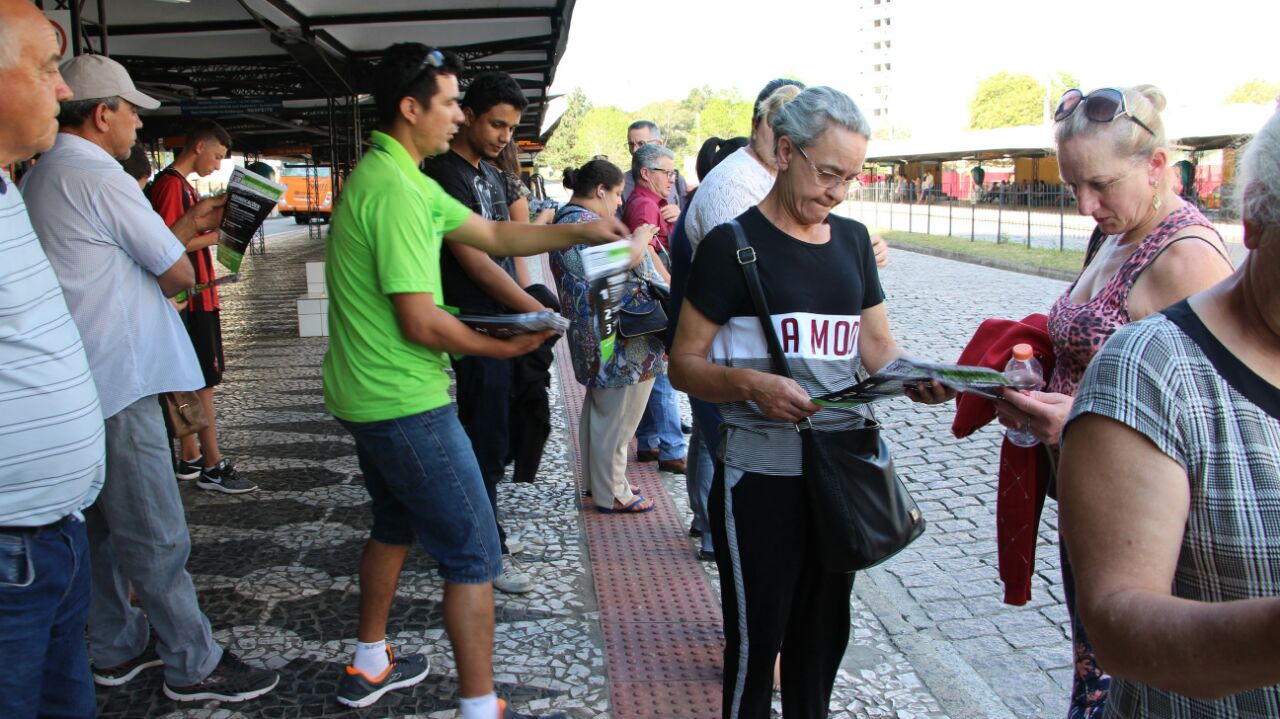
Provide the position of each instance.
(606, 269)
(904, 372)
(250, 198)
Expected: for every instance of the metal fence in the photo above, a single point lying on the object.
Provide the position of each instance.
(1044, 219)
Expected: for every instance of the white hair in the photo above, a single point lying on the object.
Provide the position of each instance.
(648, 156)
(8, 45)
(1259, 177)
(815, 109)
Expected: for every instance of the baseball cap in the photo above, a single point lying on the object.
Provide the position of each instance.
(94, 76)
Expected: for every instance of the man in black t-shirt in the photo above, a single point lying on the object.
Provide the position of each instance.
(475, 282)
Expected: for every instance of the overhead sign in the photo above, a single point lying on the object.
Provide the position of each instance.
(233, 106)
(59, 14)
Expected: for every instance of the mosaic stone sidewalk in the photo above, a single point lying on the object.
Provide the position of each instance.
(276, 569)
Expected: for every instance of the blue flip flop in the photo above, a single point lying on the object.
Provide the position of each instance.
(630, 508)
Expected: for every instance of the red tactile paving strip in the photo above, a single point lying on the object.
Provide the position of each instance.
(661, 623)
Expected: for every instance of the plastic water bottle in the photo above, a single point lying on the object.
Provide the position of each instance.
(1025, 373)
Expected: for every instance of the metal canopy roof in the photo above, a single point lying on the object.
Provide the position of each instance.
(295, 55)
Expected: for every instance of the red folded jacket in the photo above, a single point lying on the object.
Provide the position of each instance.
(1024, 471)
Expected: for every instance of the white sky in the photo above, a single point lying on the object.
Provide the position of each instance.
(1195, 51)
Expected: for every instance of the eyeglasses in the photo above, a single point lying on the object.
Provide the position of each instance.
(433, 58)
(671, 174)
(1102, 105)
(827, 180)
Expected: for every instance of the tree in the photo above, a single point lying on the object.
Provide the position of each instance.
(561, 151)
(604, 132)
(1255, 92)
(585, 131)
(1005, 100)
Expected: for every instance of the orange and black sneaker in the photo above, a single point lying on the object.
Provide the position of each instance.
(360, 690)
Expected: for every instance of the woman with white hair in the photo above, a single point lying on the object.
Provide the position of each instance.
(825, 302)
(1170, 487)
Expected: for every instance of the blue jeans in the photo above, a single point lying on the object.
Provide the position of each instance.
(138, 536)
(425, 483)
(660, 425)
(44, 603)
(702, 461)
(697, 482)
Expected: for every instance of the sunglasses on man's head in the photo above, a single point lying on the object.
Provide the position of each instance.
(433, 58)
(1102, 105)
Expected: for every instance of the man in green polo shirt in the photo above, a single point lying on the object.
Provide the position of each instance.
(385, 381)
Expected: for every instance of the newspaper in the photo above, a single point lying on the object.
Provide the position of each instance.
(250, 199)
(606, 269)
(510, 325)
(905, 372)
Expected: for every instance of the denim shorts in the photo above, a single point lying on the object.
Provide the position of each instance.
(425, 483)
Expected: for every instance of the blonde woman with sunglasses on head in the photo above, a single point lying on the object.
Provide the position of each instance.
(1150, 250)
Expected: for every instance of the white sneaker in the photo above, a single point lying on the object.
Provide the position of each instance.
(512, 580)
(515, 546)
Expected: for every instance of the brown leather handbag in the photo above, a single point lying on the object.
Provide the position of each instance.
(186, 413)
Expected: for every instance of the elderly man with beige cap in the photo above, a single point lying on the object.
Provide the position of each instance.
(116, 261)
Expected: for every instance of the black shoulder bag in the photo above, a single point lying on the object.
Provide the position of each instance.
(861, 511)
(647, 313)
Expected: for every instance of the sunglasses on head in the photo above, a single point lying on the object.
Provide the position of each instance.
(433, 58)
(1102, 105)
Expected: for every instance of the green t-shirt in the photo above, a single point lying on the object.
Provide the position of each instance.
(385, 239)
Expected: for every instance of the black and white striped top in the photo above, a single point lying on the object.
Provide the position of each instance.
(816, 294)
(1171, 380)
(52, 444)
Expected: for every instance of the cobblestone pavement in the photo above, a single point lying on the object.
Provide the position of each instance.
(275, 569)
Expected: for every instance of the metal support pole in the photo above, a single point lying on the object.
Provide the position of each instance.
(951, 207)
(999, 218)
(928, 218)
(102, 27)
(1062, 234)
(76, 29)
(1028, 224)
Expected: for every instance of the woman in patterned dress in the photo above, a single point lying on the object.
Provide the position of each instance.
(1170, 487)
(1152, 250)
(618, 386)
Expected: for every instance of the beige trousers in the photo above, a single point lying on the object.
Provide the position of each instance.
(609, 420)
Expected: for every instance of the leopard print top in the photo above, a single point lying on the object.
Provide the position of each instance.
(1078, 331)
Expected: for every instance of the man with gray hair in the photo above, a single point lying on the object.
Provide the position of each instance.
(117, 261)
(660, 436)
(646, 132)
(51, 437)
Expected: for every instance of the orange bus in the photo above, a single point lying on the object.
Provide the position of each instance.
(302, 203)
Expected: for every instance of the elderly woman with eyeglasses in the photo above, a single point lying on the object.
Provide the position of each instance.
(1150, 249)
(823, 291)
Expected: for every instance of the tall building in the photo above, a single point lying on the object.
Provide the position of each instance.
(876, 39)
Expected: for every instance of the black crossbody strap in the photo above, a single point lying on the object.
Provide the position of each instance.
(747, 261)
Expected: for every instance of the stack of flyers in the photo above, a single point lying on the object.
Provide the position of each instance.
(606, 269)
(505, 326)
